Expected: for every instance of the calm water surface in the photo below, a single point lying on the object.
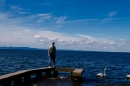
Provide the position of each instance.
(117, 65)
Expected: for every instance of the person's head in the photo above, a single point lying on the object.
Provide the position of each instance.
(53, 43)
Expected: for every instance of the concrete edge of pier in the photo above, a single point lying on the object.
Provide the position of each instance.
(24, 76)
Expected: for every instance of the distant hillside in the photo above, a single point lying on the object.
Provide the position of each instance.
(21, 48)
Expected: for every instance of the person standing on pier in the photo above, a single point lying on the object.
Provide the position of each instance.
(52, 55)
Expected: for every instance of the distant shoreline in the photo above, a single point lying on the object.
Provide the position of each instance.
(29, 48)
(21, 48)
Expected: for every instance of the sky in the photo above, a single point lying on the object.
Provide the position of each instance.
(87, 25)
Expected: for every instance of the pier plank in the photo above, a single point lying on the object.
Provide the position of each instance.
(65, 69)
(12, 74)
(77, 72)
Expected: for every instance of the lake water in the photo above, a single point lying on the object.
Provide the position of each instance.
(117, 66)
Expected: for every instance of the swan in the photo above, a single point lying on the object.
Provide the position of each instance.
(102, 74)
(128, 76)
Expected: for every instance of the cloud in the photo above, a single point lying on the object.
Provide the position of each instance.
(53, 35)
(26, 30)
(3, 16)
(83, 20)
(18, 9)
(25, 36)
(85, 36)
(104, 44)
(36, 36)
(16, 32)
(23, 12)
(112, 14)
(19, 37)
(83, 43)
(15, 8)
(43, 17)
(61, 19)
(39, 17)
(9, 18)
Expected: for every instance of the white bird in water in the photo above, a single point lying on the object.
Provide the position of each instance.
(102, 74)
(128, 76)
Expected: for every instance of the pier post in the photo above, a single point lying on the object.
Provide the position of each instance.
(6, 82)
(48, 73)
(39, 74)
(55, 73)
(18, 80)
(27, 78)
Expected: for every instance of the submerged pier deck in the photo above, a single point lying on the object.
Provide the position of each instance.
(24, 76)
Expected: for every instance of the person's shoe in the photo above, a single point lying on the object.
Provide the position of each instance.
(49, 66)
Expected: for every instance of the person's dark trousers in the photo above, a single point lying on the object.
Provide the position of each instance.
(52, 60)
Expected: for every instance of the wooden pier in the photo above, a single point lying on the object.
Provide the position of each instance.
(24, 76)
